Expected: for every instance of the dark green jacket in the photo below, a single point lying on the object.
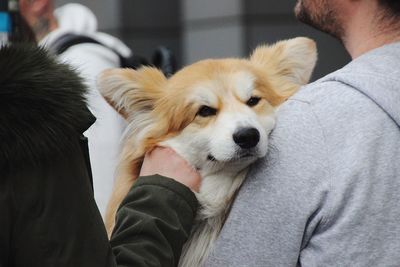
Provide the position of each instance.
(153, 223)
(48, 216)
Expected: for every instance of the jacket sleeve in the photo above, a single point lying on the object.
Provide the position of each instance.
(151, 230)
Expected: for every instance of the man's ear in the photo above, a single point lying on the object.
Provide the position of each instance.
(132, 92)
(293, 60)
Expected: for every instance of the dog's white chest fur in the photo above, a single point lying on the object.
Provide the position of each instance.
(215, 196)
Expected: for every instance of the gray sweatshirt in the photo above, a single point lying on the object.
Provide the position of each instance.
(328, 192)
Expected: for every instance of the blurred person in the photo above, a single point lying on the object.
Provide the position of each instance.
(49, 26)
(328, 192)
(48, 214)
(13, 27)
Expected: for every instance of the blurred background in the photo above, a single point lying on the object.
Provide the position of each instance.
(197, 29)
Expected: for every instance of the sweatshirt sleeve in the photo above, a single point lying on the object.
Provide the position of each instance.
(153, 223)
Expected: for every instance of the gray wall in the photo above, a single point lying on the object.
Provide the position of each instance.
(212, 28)
(197, 29)
(147, 24)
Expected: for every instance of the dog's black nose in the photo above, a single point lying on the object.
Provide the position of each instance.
(246, 137)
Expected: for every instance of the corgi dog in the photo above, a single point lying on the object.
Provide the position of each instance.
(217, 114)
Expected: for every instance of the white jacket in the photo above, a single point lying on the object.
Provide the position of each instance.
(90, 59)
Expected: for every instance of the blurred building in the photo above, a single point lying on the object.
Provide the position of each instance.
(197, 29)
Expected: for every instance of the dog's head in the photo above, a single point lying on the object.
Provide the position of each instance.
(214, 113)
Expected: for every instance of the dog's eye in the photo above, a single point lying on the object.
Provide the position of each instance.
(253, 101)
(206, 111)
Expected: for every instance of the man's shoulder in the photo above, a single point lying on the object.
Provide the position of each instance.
(326, 106)
(368, 82)
(317, 99)
(331, 93)
(325, 90)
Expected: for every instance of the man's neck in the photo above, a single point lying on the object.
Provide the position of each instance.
(365, 31)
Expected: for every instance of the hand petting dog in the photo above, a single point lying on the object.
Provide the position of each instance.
(166, 162)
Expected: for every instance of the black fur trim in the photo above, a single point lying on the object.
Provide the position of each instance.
(42, 105)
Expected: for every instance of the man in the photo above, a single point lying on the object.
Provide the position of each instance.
(328, 194)
(90, 59)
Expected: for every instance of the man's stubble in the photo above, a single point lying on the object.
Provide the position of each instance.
(321, 15)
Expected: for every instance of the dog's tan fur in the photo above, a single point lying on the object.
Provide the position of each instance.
(159, 109)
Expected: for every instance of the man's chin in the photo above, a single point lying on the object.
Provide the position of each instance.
(301, 13)
(298, 7)
(326, 20)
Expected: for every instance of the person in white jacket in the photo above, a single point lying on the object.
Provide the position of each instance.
(49, 24)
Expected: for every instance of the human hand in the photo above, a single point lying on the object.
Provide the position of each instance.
(166, 162)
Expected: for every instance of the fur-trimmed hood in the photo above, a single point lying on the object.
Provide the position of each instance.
(42, 105)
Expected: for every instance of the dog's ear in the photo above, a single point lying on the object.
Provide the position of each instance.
(132, 92)
(291, 60)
